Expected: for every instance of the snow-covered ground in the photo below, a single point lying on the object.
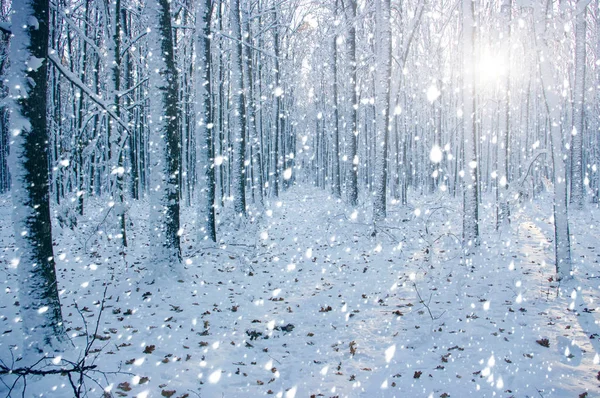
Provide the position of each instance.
(306, 300)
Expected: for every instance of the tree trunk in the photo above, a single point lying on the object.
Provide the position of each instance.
(239, 108)
(38, 290)
(382, 100)
(277, 120)
(353, 134)
(116, 149)
(164, 137)
(502, 182)
(206, 208)
(256, 164)
(551, 89)
(336, 183)
(577, 186)
(470, 180)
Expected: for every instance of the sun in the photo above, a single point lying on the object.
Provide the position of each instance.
(491, 67)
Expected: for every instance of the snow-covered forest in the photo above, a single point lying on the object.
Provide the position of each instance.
(299, 198)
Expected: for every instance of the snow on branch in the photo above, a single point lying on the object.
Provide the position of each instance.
(260, 50)
(81, 34)
(93, 96)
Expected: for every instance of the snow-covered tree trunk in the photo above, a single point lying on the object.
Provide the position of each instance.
(551, 89)
(4, 114)
(164, 136)
(577, 186)
(239, 116)
(115, 131)
(596, 176)
(382, 100)
(256, 166)
(470, 181)
(336, 183)
(204, 124)
(504, 136)
(277, 121)
(352, 147)
(38, 292)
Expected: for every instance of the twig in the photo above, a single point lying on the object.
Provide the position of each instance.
(77, 372)
(96, 230)
(539, 392)
(273, 359)
(426, 305)
(25, 371)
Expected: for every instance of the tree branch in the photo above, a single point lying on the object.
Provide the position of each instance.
(93, 96)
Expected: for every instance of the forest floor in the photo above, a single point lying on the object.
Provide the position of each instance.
(307, 299)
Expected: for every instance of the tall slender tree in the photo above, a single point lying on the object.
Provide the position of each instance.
(337, 183)
(116, 136)
(382, 98)
(164, 135)
(503, 143)
(239, 119)
(253, 135)
(470, 179)
(204, 125)
(552, 104)
(352, 147)
(278, 123)
(577, 186)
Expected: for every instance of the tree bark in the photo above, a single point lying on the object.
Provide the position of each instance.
(382, 100)
(336, 183)
(552, 101)
(239, 108)
(502, 175)
(204, 125)
(38, 291)
(470, 180)
(577, 186)
(352, 188)
(164, 136)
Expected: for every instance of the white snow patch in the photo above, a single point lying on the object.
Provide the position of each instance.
(215, 377)
(436, 155)
(389, 353)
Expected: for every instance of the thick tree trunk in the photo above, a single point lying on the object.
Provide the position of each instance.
(239, 108)
(352, 188)
(204, 125)
(164, 137)
(552, 100)
(115, 138)
(382, 99)
(577, 186)
(256, 157)
(470, 180)
(336, 183)
(38, 291)
(503, 210)
(277, 121)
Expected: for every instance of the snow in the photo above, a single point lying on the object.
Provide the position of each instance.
(436, 155)
(396, 314)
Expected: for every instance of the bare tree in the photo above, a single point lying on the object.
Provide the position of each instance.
(204, 126)
(352, 187)
(239, 118)
(470, 179)
(38, 291)
(164, 136)
(577, 186)
(382, 98)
